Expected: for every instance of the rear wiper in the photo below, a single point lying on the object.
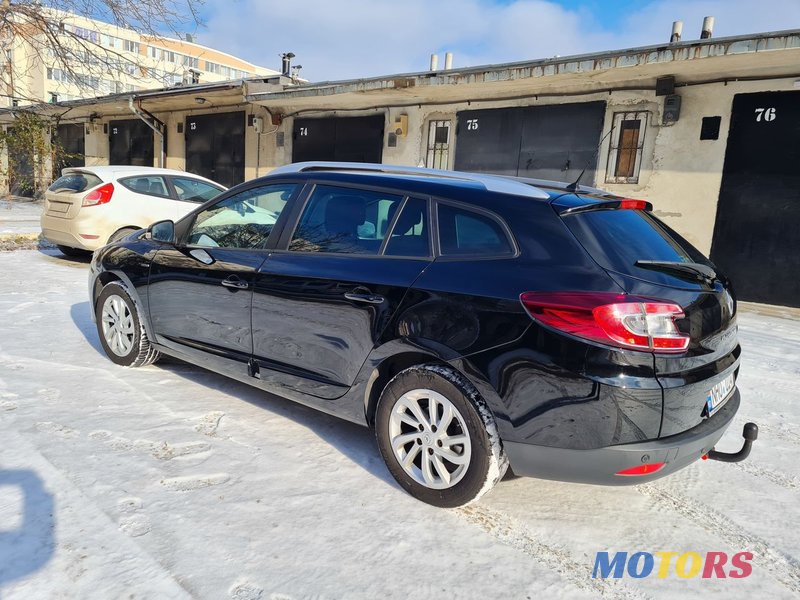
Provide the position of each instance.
(696, 271)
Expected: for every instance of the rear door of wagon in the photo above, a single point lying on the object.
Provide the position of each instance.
(648, 259)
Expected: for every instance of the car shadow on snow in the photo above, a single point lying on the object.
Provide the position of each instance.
(28, 547)
(57, 255)
(353, 441)
(81, 314)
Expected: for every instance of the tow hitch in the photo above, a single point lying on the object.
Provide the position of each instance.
(750, 435)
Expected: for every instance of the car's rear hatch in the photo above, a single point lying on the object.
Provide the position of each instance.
(63, 199)
(649, 260)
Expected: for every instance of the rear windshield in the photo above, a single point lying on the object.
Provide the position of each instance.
(75, 182)
(616, 239)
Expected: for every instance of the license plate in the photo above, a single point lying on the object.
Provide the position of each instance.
(719, 394)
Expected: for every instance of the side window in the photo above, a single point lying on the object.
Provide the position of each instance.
(150, 185)
(193, 190)
(241, 221)
(410, 232)
(465, 232)
(344, 220)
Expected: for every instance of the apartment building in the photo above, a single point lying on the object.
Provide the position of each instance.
(104, 59)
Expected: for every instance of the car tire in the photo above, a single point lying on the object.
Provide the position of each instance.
(121, 332)
(460, 438)
(121, 233)
(73, 252)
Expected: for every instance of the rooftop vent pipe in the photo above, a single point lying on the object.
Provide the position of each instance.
(286, 64)
(434, 62)
(448, 61)
(677, 30)
(708, 27)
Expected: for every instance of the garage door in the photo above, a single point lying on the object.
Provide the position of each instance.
(546, 142)
(130, 143)
(757, 230)
(70, 139)
(351, 139)
(215, 147)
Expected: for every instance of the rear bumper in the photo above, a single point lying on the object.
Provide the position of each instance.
(599, 466)
(64, 232)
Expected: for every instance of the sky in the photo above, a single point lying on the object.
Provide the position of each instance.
(361, 38)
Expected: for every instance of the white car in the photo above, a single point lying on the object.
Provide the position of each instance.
(88, 207)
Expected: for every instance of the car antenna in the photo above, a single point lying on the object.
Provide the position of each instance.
(574, 185)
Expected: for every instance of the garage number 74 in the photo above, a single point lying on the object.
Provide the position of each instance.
(765, 114)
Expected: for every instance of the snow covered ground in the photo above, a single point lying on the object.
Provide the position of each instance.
(172, 482)
(20, 217)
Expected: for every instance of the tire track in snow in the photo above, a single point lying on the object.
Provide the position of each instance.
(785, 481)
(513, 533)
(188, 483)
(783, 568)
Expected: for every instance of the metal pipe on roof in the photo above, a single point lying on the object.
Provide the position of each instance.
(677, 31)
(708, 28)
(448, 61)
(434, 62)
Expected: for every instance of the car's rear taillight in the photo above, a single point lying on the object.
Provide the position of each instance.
(612, 319)
(101, 195)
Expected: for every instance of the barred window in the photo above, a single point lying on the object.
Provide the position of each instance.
(438, 145)
(625, 151)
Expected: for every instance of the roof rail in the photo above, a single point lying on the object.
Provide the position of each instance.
(491, 183)
(561, 185)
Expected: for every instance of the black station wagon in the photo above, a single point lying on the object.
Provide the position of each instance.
(476, 322)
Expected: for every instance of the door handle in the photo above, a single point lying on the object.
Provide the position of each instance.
(368, 298)
(233, 281)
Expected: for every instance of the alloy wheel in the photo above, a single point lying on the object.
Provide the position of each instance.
(118, 328)
(429, 439)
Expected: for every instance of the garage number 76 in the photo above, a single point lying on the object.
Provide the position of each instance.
(765, 114)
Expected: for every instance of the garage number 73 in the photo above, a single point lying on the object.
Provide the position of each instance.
(765, 114)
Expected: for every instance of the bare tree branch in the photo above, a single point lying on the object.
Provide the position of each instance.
(42, 38)
(82, 57)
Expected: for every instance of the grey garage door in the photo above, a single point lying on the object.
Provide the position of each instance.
(351, 139)
(546, 142)
(130, 143)
(215, 147)
(757, 230)
(71, 140)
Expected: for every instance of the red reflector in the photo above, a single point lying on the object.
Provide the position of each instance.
(704, 457)
(633, 204)
(611, 319)
(87, 236)
(101, 195)
(643, 469)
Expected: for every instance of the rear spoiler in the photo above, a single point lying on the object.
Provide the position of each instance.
(617, 203)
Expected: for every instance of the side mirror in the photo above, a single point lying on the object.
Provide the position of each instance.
(162, 231)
